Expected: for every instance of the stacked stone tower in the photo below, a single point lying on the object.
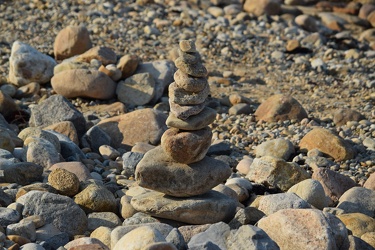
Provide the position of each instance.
(180, 167)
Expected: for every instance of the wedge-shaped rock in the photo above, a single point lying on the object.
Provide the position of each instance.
(194, 122)
(159, 172)
(210, 208)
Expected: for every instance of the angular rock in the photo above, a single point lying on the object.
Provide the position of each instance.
(183, 97)
(248, 215)
(368, 238)
(128, 65)
(305, 229)
(358, 200)
(194, 122)
(280, 108)
(104, 54)
(65, 182)
(162, 71)
(251, 238)
(279, 148)
(129, 162)
(8, 216)
(138, 89)
(185, 111)
(56, 109)
(59, 210)
(328, 143)
(96, 199)
(239, 109)
(6, 141)
(66, 128)
(276, 172)
(69, 150)
(94, 138)
(24, 229)
(334, 184)
(210, 207)
(311, 191)
(84, 83)
(214, 236)
(71, 41)
(29, 65)
(189, 83)
(159, 172)
(37, 132)
(272, 203)
(143, 125)
(42, 152)
(358, 223)
(186, 147)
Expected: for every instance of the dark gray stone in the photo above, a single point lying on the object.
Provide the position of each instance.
(22, 173)
(216, 234)
(8, 216)
(130, 161)
(94, 138)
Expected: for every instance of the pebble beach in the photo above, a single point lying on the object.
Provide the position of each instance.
(201, 124)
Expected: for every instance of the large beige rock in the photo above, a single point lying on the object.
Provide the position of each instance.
(210, 207)
(186, 147)
(328, 143)
(84, 83)
(311, 191)
(280, 108)
(71, 41)
(96, 199)
(261, 7)
(358, 223)
(103, 234)
(75, 167)
(139, 238)
(159, 172)
(29, 65)
(144, 125)
(358, 200)
(305, 229)
(276, 172)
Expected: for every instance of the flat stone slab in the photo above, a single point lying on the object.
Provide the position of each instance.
(158, 171)
(194, 122)
(208, 208)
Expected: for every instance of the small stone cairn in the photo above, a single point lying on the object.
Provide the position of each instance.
(179, 167)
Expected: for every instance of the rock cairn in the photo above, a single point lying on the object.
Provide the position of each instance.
(179, 167)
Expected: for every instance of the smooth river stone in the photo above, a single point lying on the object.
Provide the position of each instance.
(186, 146)
(158, 171)
(189, 58)
(208, 208)
(185, 111)
(189, 83)
(182, 97)
(197, 70)
(194, 122)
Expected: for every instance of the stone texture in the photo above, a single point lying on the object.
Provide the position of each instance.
(369, 238)
(214, 237)
(183, 97)
(370, 182)
(138, 89)
(280, 108)
(251, 238)
(37, 132)
(59, 210)
(128, 65)
(65, 182)
(144, 125)
(66, 128)
(307, 22)
(189, 83)
(261, 7)
(185, 111)
(305, 229)
(104, 54)
(248, 215)
(24, 229)
(71, 41)
(334, 184)
(94, 138)
(80, 243)
(56, 109)
(358, 200)
(195, 70)
(194, 122)
(77, 168)
(186, 147)
(42, 152)
(8, 216)
(84, 83)
(7, 105)
(210, 207)
(279, 148)
(342, 116)
(272, 203)
(29, 65)
(328, 143)
(311, 191)
(106, 219)
(139, 238)
(103, 234)
(6, 141)
(22, 173)
(276, 172)
(96, 199)
(158, 172)
(358, 223)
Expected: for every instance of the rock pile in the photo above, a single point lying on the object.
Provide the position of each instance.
(179, 167)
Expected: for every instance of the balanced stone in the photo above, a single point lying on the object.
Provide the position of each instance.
(187, 46)
(197, 70)
(210, 207)
(186, 147)
(160, 172)
(182, 97)
(185, 111)
(189, 58)
(194, 122)
(189, 83)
